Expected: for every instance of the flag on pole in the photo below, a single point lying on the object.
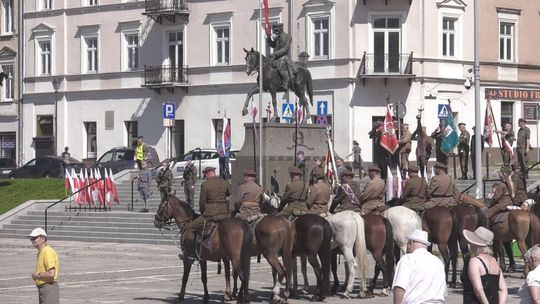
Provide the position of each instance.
(113, 187)
(450, 135)
(508, 148)
(267, 23)
(399, 183)
(100, 187)
(67, 184)
(389, 185)
(489, 125)
(226, 138)
(75, 187)
(425, 174)
(107, 185)
(328, 171)
(389, 139)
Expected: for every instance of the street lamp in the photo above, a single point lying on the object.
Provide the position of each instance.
(56, 82)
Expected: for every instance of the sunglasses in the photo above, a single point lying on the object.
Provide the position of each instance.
(34, 238)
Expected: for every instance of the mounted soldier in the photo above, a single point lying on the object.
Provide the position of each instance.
(372, 198)
(212, 204)
(293, 201)
(502, 196)
(319, 194)
(519, 184)
(280, 57)
(347, 197)
(442, 190)
(416, 189)
(246, 204)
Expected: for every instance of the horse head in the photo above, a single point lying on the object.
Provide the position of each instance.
(252, 61)
(173, 208)
(272, 200)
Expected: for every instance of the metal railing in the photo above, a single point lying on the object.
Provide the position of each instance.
(386, 64)
(158, 6)
(163, 75)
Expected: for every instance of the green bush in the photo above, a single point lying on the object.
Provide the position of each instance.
(17, 191)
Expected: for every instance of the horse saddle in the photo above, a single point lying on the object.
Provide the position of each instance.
(208, 231)
(501, 217)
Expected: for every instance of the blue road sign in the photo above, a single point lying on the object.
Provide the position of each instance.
(321, 120)
(322, 107)
(442, 111)
(287, 110)
(169, 110)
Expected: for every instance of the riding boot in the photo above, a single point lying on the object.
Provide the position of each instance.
(188, 254)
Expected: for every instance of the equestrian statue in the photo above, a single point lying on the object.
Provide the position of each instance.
(280, 74)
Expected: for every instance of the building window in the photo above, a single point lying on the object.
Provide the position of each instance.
(9, 83)
(45, 5)
(44, 126)
(7, 145)
(506, 41)
(131, 52)
(92, 2)
(222, 44)
(91, 139)
(321, 38)
(44, 57)
(132, 130)
(386, 44)
(91, 44)
(449, 37)
(7, 13)
(507, 112)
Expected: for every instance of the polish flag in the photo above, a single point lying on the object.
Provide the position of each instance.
(100, 187)
(389, 139)
(75, 187)
(113, 189)
(67, 183)
(389, 185)
(489, 125)
(508, 148)
(107, 186)
(328, 165)
(399, 183)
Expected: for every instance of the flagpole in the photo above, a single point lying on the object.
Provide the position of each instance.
(477, 118)
(498, 136)
(261, 63)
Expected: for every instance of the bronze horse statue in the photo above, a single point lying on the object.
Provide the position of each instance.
(300, 84)
(231, 241)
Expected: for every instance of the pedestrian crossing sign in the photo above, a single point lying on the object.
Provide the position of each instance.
(443, 110)
(287, 110)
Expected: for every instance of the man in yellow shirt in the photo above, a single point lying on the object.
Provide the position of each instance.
(46, 272)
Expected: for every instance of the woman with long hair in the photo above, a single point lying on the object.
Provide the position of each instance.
(529, 292)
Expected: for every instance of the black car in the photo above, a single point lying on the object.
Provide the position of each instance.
(46, 166)
(123, 158)
(6, 165)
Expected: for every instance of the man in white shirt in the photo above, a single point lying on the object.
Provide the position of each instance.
(420, 276)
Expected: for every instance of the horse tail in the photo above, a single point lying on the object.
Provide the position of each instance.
(325, 255)
(288, 244)
(309, 85)
(360, 250)
(389, 248)
(245, 253)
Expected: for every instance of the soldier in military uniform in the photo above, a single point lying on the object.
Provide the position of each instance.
(318, 168)
(301, 164)
(502, 197)
(319, 194)
(438, 135)
(372, 198)
(442, 190)
(519, 184)
(463, 150)
(415, 193)
(405, 148)
(509, 136)
(280, 56)
(212, 205)
(347, 196)
(189, 180)
(164, 180)
(473, 143)
(523, 147)
(246, 203)
(293, 201)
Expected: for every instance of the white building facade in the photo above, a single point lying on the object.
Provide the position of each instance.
(118, 62)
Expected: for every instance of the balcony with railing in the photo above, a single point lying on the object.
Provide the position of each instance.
(165, 77)
(170, 9)
(386, 66)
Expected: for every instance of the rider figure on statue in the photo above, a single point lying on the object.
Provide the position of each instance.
(280, 57)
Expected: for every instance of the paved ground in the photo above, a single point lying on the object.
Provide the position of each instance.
(126, 273)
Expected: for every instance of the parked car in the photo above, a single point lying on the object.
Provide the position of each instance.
(46, 166)
(6, 165)
(207, 158)
(123, 158)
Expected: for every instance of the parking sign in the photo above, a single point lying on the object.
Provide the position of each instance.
(169, 110)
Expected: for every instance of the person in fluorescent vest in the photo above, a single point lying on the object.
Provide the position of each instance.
(141, 152)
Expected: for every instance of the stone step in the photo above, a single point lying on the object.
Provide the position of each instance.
(89, 213)
(36, 223)
(104, 219)
(92, 234)
(110, 229)
(156, 241)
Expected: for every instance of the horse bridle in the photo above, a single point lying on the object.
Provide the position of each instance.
(166, 224)
(252, 68)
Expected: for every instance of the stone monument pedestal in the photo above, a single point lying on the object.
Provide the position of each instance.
(278, 152)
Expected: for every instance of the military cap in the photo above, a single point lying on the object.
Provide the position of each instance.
(373, 168)
(277, 25)
(294, 171)
(300, 152)
(318, 172)
(354, 142)
(250, 172)
(165, 161)
(440, 165)
(515, 167)
(522, 119)
(412, 168)
(461, 124)
(207, 169)
(348, 173)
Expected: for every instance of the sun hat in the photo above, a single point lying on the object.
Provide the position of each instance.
(37, 232)
(480, 237)
(419, 236)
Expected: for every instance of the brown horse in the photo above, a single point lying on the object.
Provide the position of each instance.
(380, 242)
(314, 238)
(437, 221)
(231, 241)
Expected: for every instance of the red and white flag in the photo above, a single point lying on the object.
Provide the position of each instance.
(113, 187)
(489, 125)
(107, 186)
(67, 184)
(389, 185)
(75, 187)
(508, 148)
(328, 165)
(100, 187)
(399, 183)
(389, 139)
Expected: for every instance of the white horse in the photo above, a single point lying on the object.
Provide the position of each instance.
(349, 236)
(403, 221)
